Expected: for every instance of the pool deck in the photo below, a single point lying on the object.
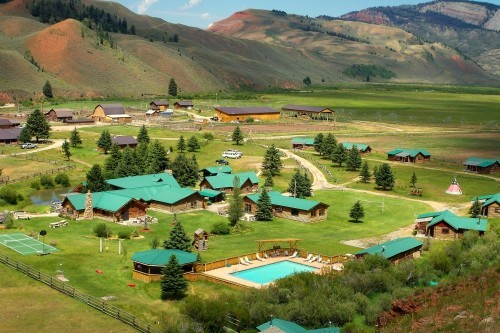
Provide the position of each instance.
(224, 273)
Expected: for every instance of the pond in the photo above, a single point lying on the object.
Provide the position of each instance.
(46, 197)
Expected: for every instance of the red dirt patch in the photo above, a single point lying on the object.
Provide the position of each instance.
(233, 23)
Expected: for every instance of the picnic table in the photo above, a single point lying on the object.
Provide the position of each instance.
(62, 223)
(21, 215)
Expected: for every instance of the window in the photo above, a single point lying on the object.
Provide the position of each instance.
(193, 204)
(313, 213)
(295, 212)
(248, 208)
(445, 231)
(497, 210)
(321, 212)
(278, 209)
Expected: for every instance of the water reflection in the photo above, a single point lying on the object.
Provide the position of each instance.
(46, 197)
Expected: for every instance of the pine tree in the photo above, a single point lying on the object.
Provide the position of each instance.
(307, 81)
(339, 156)
(475, 209)
(384, 177)
(65, 149)
(95, 180)
(269, 183)
(306, 185)
(328, 145)
(157, 160)
(173, 283)
(181, 144)
(172, 87)
(143, 136)
(47, 90)
(237, 135)
(353, 162)
(141, 155)
(193, 144)
(264, 211)
(104, 142)
(365, 173)
(25, 135)
(296, 186)
(178, 239)
(184, 171)
(413, 179)
(235, 210)
(272, 162)
(38, 125)
(318, 142)
(357, 211)
(128, 165)
(112, 161)
(193, 171)
(75, 139)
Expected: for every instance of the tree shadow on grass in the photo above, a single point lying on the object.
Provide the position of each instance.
(355, 221)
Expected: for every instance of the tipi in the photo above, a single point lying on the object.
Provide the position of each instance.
(454, 187)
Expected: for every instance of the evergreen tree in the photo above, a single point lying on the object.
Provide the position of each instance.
(104, 142)
(353, 162)
(264, 211)
(307, 81)
(318, 142)
(272, 162)
(38, 125)
(306, 185)
(235, 211)
(47, 90)
(184, 171)
(296, 186)
(95, 180)
(365, 173)
(413, 179)
(112, 161)
(173, 283)
(328, 145)
(141, 155)
(237, 135)
(181, 144)
(65, 149)
(75, 139)
(143, 136)
(339, 156)
(475, 209)
(25, 135)
(128, 165)
(384, 177)
(193, 171)
(178, 239)
(193, 144)
(157, 160)
(357, 211)
(269, 183)
(172, 87)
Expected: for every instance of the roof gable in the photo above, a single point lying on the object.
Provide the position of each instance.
(458, 222)
(409, 152)
(492, 199)
(277, 199)
(359, 146)
(393, 247)
(224, 180)
(112, 109)
(158, 102)
(481, 162)
(10, 133)
(144, 181)
(61, 113)
(184, 103)
(124, 140)
(218, 169)
(246, 110)
(158, 257)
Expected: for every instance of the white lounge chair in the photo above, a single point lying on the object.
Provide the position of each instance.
(294, 254)
(266, 256)
(326, 262)
(319, 259)
(258, 257)
(248, 260)
(308, 257)
(243, 261)
(313, 259)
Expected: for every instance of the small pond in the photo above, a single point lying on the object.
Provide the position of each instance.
(46, 197)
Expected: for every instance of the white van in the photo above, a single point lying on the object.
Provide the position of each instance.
(231, 154)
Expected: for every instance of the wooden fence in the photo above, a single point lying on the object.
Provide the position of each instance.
(6, 180)
(97, 303)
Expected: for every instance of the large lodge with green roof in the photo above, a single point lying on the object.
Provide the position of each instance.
(409, 155)
(223, 182)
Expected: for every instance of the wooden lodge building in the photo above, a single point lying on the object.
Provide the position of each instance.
(446, 225)
(482, 165)
(302, 143)
(313, 112)
(215, 170)
(61, 115)
(187, 105)
(490, 205)
(224, 182)
(111, 113)
(148, 265)
(7, 123)
(297, 209)
(363, 148)
(409, 155)
(123, 141)
(10, 135)
(159, 105)
(241, 114)
(395, 250)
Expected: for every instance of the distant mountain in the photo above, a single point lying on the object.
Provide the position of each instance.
(471, 27)
(89, 48)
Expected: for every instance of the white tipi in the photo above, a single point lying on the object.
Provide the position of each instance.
(454, 187)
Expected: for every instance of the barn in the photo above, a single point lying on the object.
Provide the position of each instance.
(123, 141)
(159, 105)
(409, 155)
(184, 105)
(7, 123)
(395, 250)
(482, 165)
(10, 135)
(59, 115)
(242, 114)
(313, 112)
(110, 113)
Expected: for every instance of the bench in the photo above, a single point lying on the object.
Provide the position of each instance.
(21, 215)
(62, 223)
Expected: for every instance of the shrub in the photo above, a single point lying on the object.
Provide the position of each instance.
(35, 184)
(46, 181)
(250, 120)
(124, 234)
(9, 223)
(102, 230)
(62, 179)
(135, 233)
(208, 136)
(10, 195)
(53, 243)
(155, 242)
(220, 228)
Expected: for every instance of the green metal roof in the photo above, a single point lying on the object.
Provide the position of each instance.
(218, 169)
(484, 197)
(433, 214)
(360, 146)
(172, 195)
(209, 193)
(277, 199)
(457, 222)
(325, 330)
(408, 152)
(144, 180)
(480, 162)
(392, 248)
(303, 141)
(158, 257)
(492, 199)
(108, 201)
(165, 194)
(291, 327)
(224, 180)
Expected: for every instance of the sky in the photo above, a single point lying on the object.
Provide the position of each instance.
(201, 13)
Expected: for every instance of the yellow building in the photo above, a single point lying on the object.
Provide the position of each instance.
(110, 113)
(227, 114)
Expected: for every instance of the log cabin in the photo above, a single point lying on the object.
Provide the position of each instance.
(395, 250)
(482, 165)
(409, 155)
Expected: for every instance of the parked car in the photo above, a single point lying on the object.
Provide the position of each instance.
(231, 154)
(28, 145)
(236, 151)
(221, 161)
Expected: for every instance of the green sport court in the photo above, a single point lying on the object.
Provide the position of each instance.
(25, 245)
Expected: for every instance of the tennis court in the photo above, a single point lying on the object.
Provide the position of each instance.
(25, 245)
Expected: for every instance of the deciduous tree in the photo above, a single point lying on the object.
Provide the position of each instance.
(38, 125)
(25, 135)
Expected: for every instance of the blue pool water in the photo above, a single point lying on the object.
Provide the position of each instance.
(271, 272)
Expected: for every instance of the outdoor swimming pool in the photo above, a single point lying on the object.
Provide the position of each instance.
(271, 272)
